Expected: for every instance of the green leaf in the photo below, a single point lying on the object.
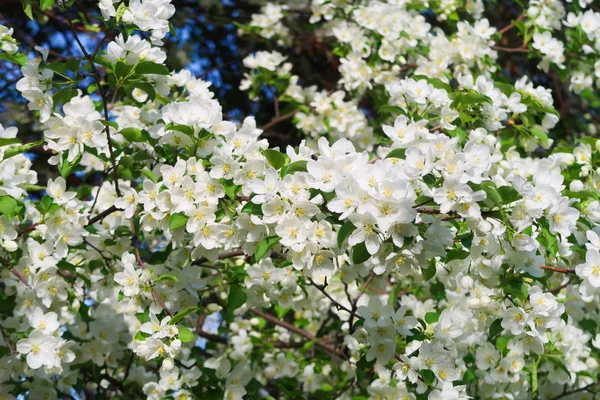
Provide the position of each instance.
(122, 69)
(46, 4)
(63, 96)
(180, 315)
(502, 342)
(517, 288)
(429, 272)
(470, 98)
(265, 245)
(432, 317)
(456, 254)
(149, 67)
(17, 58)
(495, 328)
(13, 151)
(534, 380)
(27, 9)
(231, 189)
(149, 174)
(297, 166)
(275, 158)
(120, 11)
(281, 311)
(9, 206)
(428, 376)
(177, 220)
(132, 134)
(345, 231)
(509, 194)
(435, 82)
(166, 278)
(540, 135)
(141, 336)
(492, 193)
(397, 153)
(252, 209)
(185, 335)
(360, 253)
(237, 298)
(66, 167)
(188, 130)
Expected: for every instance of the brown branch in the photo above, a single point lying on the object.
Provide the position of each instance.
(274, 320)
(102, 215)
(18, 275)
(279, 119)
(96, 75)
(11, 349)
(155, 296)
(557, 269)
(511, 49)
(322, 290)
(570, 392)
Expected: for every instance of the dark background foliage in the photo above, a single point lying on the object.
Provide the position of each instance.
(208, 44)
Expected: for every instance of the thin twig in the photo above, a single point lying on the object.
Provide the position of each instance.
(557, 269)
(279, 119)
(155, 296)
(335, 303)
(11, 349)
(100, 89)
(274, 320)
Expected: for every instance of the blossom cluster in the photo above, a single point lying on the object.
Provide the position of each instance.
(437, 250)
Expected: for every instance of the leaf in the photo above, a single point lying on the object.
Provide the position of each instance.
(188, 130)
(492, 193)
(534, 380)
(27, 9)
(429, 272)
(46, 4)
(275, 158)
(66, 167)
(252, 209)
(345, 231)
(149, 174)
(540, 135)
(297, 166)
(495, 328)
(120, 11)
(471, 98)
(231, 189)
(281, 311)
(185, 335)
(360, 253)
(516, 288)
(397, 153)
(122, 70)
(237, 298)
(149, 67)
(456, 254)
(265, 245)
(16, 150)
(432, 317)
(428, 376)
(180, 315)
(132, 134)
(177, 220)
(9, 206)
(166, 278)
(502, 342)
(17, 58)
(509, 194)
(63, 96)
